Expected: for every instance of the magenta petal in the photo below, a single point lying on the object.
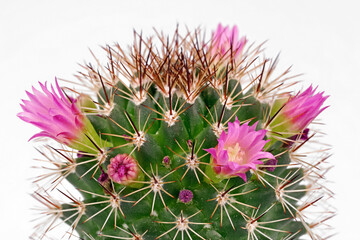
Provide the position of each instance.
(243, 176)
(41, 134)
(63, 121)
(223, 135)
(235, 167)
(62, 95)
(24, 116)
(239, 150)
(234, 35)
(52, 112)
(303, 108)
(212, 151)
(222, 157)
(79, 121)
(225, 43)
(65, 137)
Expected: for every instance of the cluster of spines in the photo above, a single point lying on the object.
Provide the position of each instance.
(160, 85)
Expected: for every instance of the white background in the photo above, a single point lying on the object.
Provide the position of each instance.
(43, 39)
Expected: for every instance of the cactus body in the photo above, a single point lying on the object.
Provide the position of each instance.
(158, 111)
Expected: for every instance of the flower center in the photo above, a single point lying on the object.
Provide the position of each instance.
(122, 171)
(236, 154)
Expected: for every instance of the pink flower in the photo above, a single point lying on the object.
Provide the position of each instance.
(59, 117)
(225, 43)
(122, 169)
(303, 108)
(239, 150)
(54, 113)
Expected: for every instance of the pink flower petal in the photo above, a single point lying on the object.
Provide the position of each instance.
(52, 112)
(303, 108)
(225, 42)
(239, 150)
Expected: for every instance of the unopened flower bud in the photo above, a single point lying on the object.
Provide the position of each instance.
(123, 169)
(298, 111)
(104, 179)
(303, 136)
(166, 161)
(60, 118)
(270, 165)
(185, 196)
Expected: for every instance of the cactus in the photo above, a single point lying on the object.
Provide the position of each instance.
(181, 138)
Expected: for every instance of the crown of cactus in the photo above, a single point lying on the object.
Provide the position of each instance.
(182, 138)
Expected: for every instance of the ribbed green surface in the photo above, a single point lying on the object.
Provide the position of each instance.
(159, 140)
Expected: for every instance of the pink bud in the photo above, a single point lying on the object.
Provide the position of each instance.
(123, 169)
(54, 113)
(166, 161)
(225, 43)
(185, 196)
(303, 108)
